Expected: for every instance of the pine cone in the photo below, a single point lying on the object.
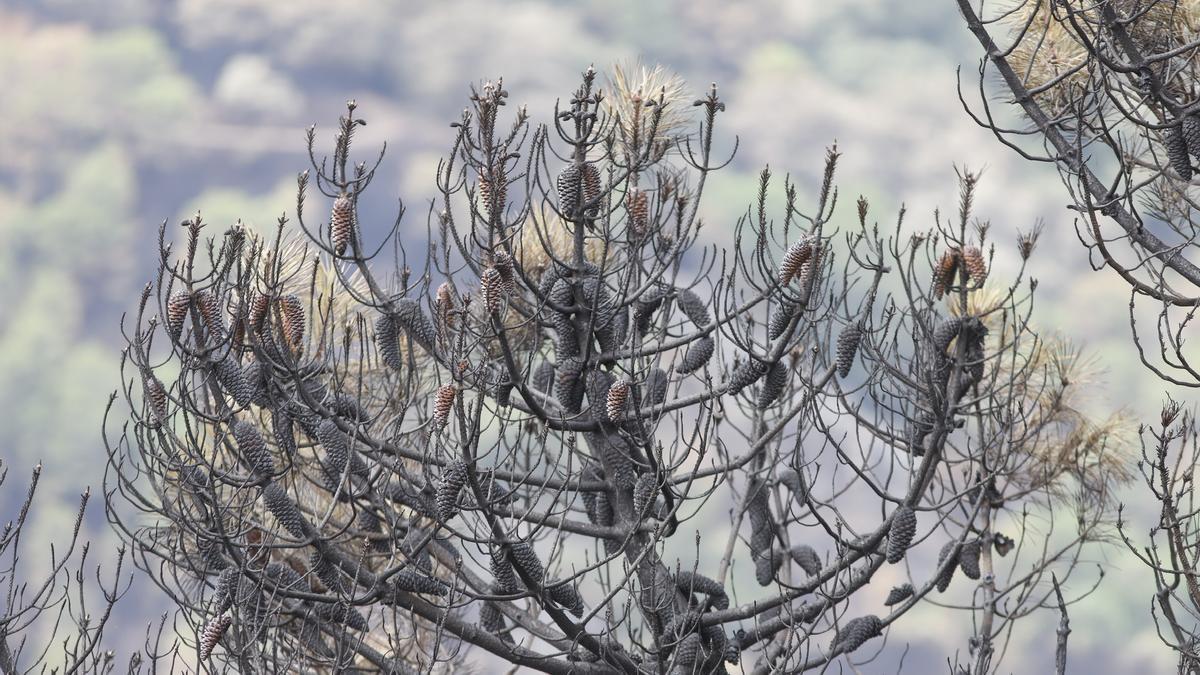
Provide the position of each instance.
(156, 396)
(947, 561)
(686, 652)
(212, 633)
(260, 304)
(292, 311)
(491, 619)
(773, 384)
(809, 272)
(644, 491)
(899, 594)
(637, 203)
(944, 334)
(210, 313)
(252, 448)
(745, 375)
(590, 178)
(412, 318)
(444, 305)
(284, 432)
(527, 560)
(341, 223)
(847, 348)
(233, 381)
(493, 193)
(697, 354)
(284, 577)
(226, 588)
(414, 582)
(599, 510)
(901, 533)
(618, 395)
(1191, 134)
(656, 386)
(1177, 151)
(257, 379)
(327, 573)
(387, 340)
(856, 632)
(453, 480)
(566, 596)
(766, 566)
(797, 254)
(694, 582)
(342, 613)
(692, 307)
(762, 532)
(645, 307)
(968, 558)
(780, 319)
(491, 287)
(284, 509)
(177, 309)
(806, 558)
(568, 384)
(945, 271)
(568, 184)
(543, 377)
(973, 260)
(443, 404)
(503, 262)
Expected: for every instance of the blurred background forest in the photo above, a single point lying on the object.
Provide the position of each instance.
(120, 114)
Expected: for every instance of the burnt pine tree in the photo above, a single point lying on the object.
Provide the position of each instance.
(565, 432)
(1110, 90)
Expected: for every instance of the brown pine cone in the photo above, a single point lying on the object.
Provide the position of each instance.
(177, 309)
(945, 271)
(443, 402)
(212, 633)
(156, 397)
(797, 254)
(491, 287)
(503, 262)
(493, 193)
(292, 311)
(618, 394)
(637, 203)
(976, 265)
(591, 189)
(341, 223)
(210, 313)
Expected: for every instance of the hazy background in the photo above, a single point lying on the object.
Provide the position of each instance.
(117, 115)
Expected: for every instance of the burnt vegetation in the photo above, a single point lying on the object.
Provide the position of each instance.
(567, 432)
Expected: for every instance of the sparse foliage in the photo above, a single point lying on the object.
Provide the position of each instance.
(580, 439)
